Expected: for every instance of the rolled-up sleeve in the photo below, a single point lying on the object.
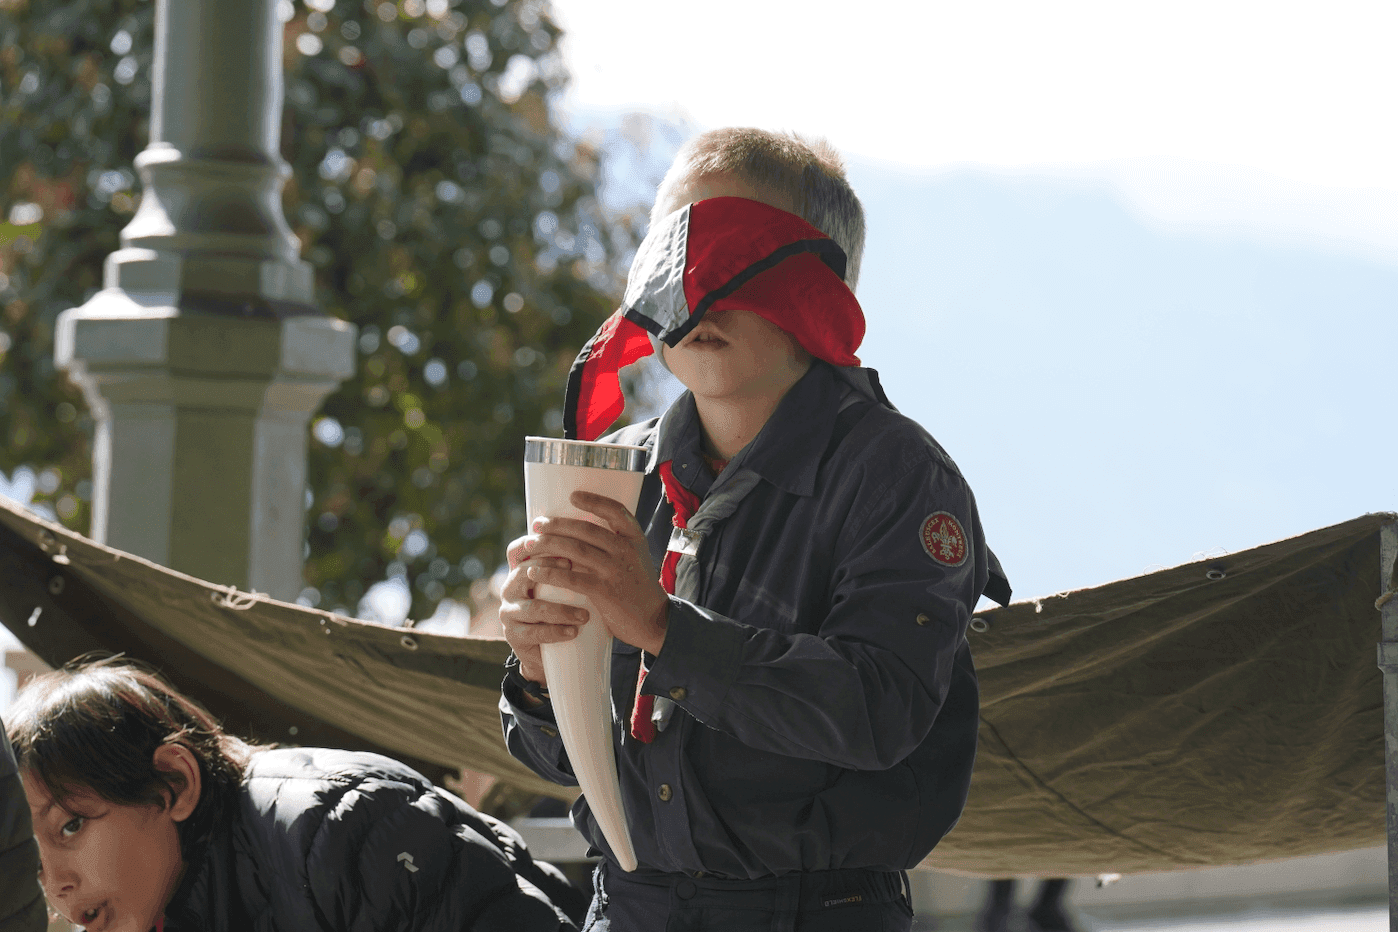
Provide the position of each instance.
(864, 689)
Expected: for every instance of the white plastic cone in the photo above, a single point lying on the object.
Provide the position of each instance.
(579, 671)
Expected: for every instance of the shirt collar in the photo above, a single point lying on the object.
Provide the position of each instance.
(677, 442)
(788, 449)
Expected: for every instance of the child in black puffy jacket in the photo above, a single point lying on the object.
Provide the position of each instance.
(148, 816)
(21, 901)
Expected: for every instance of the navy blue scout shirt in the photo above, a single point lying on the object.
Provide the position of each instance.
(827, 703)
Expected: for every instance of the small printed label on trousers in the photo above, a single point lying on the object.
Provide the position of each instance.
(844, 900)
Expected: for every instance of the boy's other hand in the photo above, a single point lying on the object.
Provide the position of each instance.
(529, 622)
(609, 564)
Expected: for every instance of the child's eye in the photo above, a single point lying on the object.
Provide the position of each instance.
(71, 827)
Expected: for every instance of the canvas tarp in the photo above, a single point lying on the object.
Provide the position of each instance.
(1220, 712)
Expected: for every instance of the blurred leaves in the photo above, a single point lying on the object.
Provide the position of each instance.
(443, 211)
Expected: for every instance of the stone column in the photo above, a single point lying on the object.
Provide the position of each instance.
(203, 357)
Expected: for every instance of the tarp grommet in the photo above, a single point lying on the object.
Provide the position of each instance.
(56, 585)
(980, 624)
(1215, 574)
(408, 641)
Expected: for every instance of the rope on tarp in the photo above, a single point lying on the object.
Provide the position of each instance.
(232, 598)
(1384, 599)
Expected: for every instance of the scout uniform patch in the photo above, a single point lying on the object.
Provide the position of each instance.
(943, 539)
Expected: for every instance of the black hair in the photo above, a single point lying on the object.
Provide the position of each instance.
(96, 724)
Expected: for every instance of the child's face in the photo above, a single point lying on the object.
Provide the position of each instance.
(106, 867)
(733, 354)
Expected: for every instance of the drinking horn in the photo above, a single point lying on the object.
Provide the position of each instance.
(579, 671)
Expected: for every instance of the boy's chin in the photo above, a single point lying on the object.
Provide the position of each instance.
(713, 385)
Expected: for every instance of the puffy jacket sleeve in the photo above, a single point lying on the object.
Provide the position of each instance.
(21, 898)
(399, 856)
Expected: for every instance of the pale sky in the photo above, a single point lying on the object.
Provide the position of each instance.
(1299, 91)
(1046, 182)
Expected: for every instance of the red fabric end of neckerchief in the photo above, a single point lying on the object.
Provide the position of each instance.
(160, 924)
(685, 504)
(642, 728)
(594, 379)
(793, 283)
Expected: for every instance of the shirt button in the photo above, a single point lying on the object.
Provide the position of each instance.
(924, 620)
(551, 732)
(678, 693)
(664, 792)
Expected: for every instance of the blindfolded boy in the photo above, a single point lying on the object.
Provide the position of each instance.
(790, 605)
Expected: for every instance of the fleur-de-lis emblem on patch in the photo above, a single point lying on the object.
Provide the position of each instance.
(943, 539)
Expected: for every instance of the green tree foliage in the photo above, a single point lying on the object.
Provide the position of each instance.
(445, 215)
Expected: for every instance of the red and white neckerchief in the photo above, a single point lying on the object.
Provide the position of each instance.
(685, 503)
(719, 254)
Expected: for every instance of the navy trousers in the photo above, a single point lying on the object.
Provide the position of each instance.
(816, 901)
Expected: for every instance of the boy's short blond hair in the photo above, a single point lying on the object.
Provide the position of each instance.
(807, 171)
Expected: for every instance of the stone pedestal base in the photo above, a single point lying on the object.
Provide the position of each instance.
(199, 461)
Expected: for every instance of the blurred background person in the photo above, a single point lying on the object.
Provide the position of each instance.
(1046, 915)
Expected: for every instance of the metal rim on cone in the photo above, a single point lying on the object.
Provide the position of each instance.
(584, 453)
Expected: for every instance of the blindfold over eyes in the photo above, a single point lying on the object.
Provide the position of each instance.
(724, 253)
